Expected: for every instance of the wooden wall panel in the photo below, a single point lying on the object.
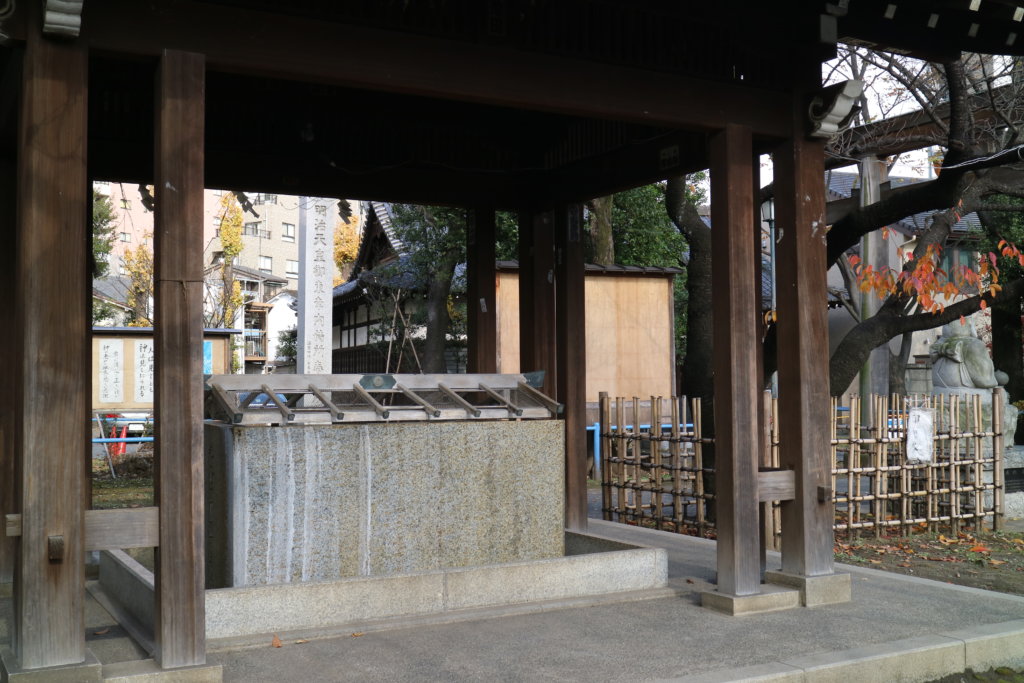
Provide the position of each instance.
(507, 298)
(629, 342)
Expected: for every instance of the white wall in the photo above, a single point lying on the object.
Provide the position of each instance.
(281, 317)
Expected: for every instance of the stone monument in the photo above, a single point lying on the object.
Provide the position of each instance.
(961, 366)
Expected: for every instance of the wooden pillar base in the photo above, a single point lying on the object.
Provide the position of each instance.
(84, 672)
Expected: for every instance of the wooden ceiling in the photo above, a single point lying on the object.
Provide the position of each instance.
(505, 102)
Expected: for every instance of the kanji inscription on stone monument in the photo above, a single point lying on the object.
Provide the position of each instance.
(316, 240)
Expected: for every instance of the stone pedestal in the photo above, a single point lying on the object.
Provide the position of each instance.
(829, 589)
(770, 599)
(83, 672)
(315, 503)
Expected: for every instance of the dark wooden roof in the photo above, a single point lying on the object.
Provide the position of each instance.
(503, 102)
(932, 29)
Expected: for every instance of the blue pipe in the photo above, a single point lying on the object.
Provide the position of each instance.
(126, 439)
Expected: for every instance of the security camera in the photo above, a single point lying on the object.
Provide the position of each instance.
(834, 107)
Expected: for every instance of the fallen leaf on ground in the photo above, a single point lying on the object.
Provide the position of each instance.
(300, 641)
(101, 632)
(357, 634)
(979, 549)
(875, 561)
(276, 642)
(996, 563)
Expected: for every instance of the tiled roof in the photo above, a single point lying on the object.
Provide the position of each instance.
(113, 288)
(841, 185)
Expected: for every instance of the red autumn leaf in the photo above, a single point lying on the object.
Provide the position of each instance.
(276, 642)
(979, 549)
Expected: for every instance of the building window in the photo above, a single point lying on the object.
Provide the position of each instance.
(266, 264)
(126, 237)
(291, 268)
(218, 193)
(126, 203)
(102, 186)
(266, 198)
(255, 230)
(216, 221)
(288, 232)
(122, 270)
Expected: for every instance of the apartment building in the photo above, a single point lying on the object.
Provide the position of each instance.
(267, 266)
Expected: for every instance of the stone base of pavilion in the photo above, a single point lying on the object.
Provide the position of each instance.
(895, 627)
(593, 568)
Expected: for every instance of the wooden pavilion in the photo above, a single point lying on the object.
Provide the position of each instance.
(531, 105)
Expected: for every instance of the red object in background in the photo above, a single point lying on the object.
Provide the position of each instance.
(118, 448)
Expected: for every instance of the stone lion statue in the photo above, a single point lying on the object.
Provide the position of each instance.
(961, 360)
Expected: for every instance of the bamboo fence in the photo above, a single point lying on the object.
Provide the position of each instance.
(657, 465)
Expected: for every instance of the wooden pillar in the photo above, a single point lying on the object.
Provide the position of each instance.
(571, 345)
(52, 386)
(736, 299)
(9, 348)
(803, 355)
(178, 251)
(537, 297)
(481, 304)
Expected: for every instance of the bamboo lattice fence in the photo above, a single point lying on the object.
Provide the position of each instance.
(657, 467)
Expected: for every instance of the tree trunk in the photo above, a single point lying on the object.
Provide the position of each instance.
(433, 360)
(697, 377)
(1007, 339)
(601, 230)
(898, 366)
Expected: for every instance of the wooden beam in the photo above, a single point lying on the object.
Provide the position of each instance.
(481, 301)
(126, 528)
(803, 354)
(571, 347)
(537, 297)
(178, 335)
(51, 274)
(775, 485)
(288, 46)
(736, 301)
(110, 529)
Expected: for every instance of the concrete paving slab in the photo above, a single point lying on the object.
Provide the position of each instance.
(923, 658)
(660, 639)
(992, 645)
